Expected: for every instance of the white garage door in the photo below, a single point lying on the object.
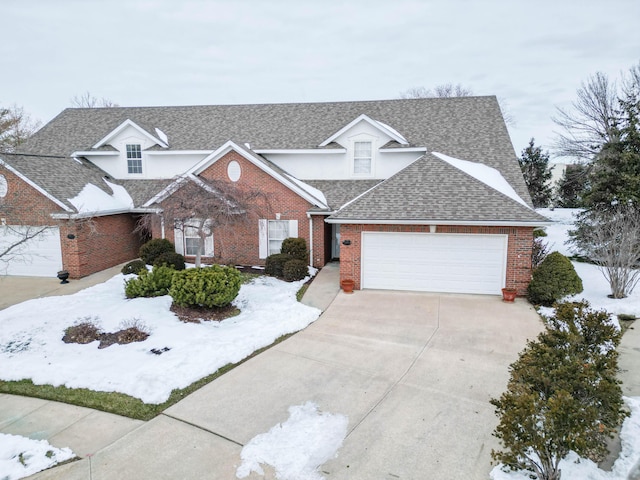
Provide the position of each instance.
(40, 256)
(434, 262)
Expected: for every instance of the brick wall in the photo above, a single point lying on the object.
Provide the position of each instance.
(239, 243)
(520, 241)
(99, 243)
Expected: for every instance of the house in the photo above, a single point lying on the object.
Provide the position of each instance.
(411, 194)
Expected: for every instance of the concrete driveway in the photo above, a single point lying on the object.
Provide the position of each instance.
(413, 372)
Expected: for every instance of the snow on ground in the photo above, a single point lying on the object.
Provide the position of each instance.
(31, 333)
(297, 447)
(596, 289)
(21, 457)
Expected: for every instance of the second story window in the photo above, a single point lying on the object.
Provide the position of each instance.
(362, 158)
(134, 158)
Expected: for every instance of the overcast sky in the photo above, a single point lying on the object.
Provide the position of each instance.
(532, 55)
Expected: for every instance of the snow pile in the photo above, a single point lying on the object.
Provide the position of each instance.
(95, 200)
(557, 235)
(297, 447)
(21, 456)
(487, 175)
(31, 334)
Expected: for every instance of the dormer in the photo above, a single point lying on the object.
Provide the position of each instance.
(123, 151)
(363, 138)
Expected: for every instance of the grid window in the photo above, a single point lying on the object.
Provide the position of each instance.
(362, 158)
(278, 231)
(134, 158)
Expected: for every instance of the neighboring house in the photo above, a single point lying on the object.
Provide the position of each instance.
(412, 194)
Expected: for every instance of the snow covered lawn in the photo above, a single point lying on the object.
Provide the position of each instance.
(21, 457)
(595, 292)
(31, 345)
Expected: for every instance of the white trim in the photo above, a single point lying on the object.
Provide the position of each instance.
(310, 239)
(177, 152)
(232, 146)
(306, 151)
(103, 213)
(390, 132)
(487, 223)
(121, 127)
(166, 191)
(403, 149)
(99, 153)
(34, 185)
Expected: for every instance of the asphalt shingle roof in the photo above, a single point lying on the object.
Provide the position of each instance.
(468, 128)
(439, 192)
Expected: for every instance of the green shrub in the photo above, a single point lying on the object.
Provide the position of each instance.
(152, 283)
(171, 259)
(214, 286)
(552, 280)
(274, 265)
(539, 232)
(295, 270)
(296, 247)
(154, 248)
(134, 266)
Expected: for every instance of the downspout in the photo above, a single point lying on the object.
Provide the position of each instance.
(162, 226)
(310, 239)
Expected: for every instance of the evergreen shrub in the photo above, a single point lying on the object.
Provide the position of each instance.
(154, 248)
(209, 287)
(294, 270)
(171, 259)
(552, 280)
(152, 283)
(135, 266)
(274, 265)
(296, 247)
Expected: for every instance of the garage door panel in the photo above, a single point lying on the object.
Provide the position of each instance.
(434, 262)
(41, 256)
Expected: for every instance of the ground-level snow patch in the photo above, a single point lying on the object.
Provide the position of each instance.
(21, 456)
(297, 447)
(575, 468)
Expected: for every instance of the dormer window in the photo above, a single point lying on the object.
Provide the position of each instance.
(362, 155)
(134, 158)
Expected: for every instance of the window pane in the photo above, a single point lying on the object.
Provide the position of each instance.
(362, 165)
(191, 246)
(134, 165)
(362, 149)
(134, 151)
(278, 231)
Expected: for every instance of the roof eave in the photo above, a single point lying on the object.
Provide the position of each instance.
(487, 223)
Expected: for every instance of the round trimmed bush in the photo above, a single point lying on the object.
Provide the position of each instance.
(171, 259)
(295, 270)
(553, 279)
(214, 286)
(154, 283)
(154, 248)
(296, 247)
(274, 264)
(135, 266)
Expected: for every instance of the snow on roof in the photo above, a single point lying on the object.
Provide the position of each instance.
(93, 199)
(162, 136)
(487, 175)
(309, 189)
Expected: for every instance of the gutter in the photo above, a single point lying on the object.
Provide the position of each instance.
(486, 223)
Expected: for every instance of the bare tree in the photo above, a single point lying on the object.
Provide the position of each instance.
(609, 237)
(86, 100)
(16, 126)
(442, 91)
(590, 122)
(206, 205)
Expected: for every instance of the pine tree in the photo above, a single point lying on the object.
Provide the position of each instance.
(537, 174)
(563, 394)
(573, 186)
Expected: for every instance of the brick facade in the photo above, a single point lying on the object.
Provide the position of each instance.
(520, 243)
(99, 243)
(239, 243)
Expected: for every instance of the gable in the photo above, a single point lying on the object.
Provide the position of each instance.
(365, 125)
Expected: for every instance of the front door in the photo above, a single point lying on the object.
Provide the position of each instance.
(335, 242)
